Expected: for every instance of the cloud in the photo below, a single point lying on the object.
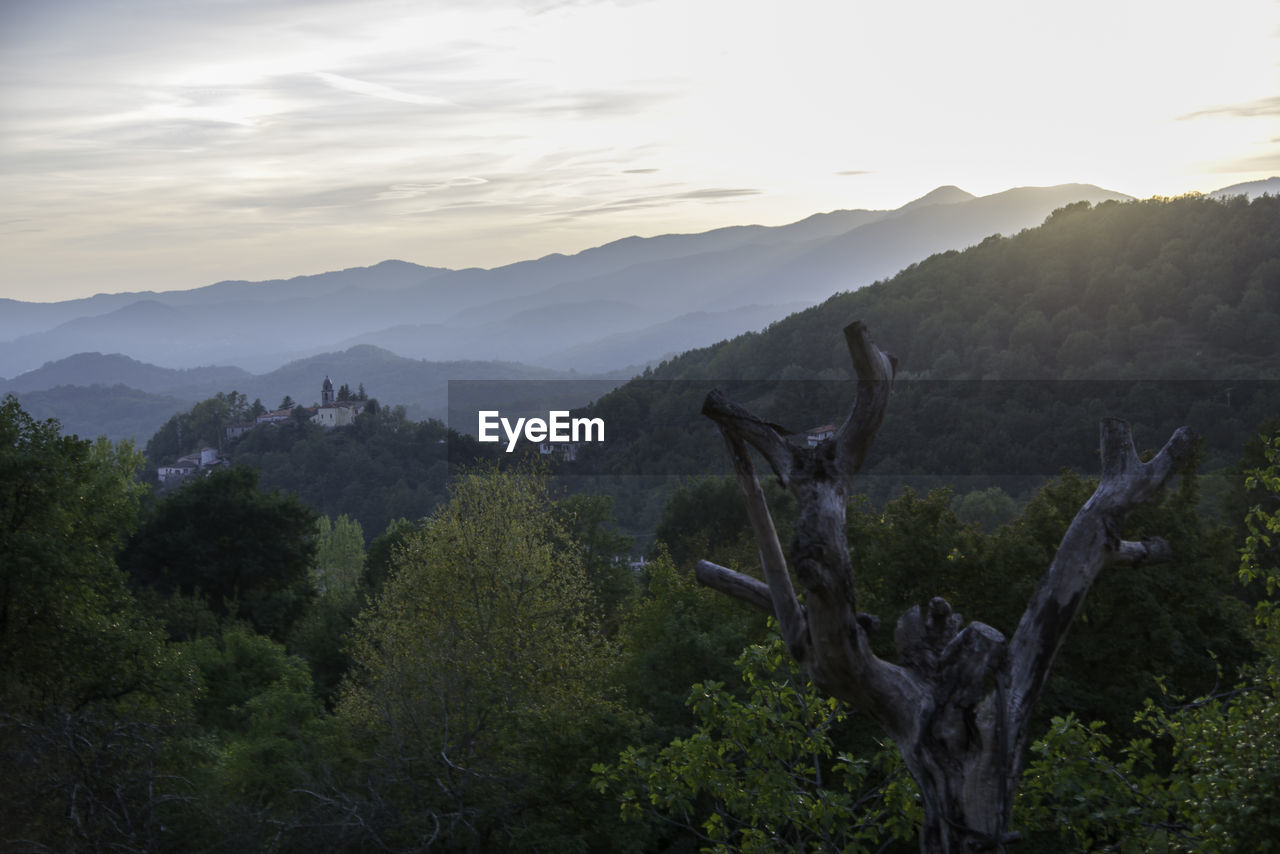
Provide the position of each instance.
(377, 90)
(716, 193)
(854, 172)
(1269, 162)
(413, 191)
(597, 104)
(657, 200)
(1248, 109)
(638, 171)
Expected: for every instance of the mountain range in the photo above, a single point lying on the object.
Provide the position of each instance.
(665, 293)
(403, 330)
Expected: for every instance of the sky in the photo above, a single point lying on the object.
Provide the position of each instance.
(169, 144)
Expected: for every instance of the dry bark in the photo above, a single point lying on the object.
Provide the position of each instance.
(958, 700)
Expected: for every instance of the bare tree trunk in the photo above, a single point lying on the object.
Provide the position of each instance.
(958, 701)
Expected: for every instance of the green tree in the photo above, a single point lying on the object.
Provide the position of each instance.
(319, 635)
(339, 560)
(378, 559)
(247, 551)
(478, 675)
(762, 772)
(674, 634)
(605, 554)
(705, 519)
(89, 693)
(205, 425)
(70, 633)
(988, 508)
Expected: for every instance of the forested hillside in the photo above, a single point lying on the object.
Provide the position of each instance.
(381, 468)
(1185, 288)
(1163, 312)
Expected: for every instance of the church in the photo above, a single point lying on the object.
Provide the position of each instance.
(333, 412)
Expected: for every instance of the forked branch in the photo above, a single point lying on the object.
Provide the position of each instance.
(827, 633)
(1092, 542)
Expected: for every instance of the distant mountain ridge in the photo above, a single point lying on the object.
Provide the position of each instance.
(24, 318)
(1252, 189)
(121, 398)
(88, 369)
(665, 293)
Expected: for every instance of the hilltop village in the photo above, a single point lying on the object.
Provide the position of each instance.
(336, 409)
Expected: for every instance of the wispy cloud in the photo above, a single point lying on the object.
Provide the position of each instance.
(377, 90)
(1248, 109)
(1267, 162)
(708, 194)
(717, 193)
(413, 191)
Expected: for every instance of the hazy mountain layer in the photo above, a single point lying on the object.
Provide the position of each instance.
(534, 311)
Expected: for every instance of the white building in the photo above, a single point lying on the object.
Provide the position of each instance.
(189, 465)
(335, 413)
(819, 434)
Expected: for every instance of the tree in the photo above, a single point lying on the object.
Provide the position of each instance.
(286, 402)
(205, 425)
(247, 551)
(339, 577)
(958, 703)
(257, 708)
(339, 560)
(478, 676)
(70, 633)
(675, 634)
(605, 554)
(382, 549)
(89, 693)
(762, 773)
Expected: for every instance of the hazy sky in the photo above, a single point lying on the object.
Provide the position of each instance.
(163, 144)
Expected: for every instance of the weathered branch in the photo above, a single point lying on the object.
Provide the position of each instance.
(827, 633)
(753, 591)
(791, 617)
(1091, 543)
(737, 424)
(749, 589)
(875, 370)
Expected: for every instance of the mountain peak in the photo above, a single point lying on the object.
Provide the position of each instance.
(948, 194)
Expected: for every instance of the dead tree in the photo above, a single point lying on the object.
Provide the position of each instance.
(958, 701)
